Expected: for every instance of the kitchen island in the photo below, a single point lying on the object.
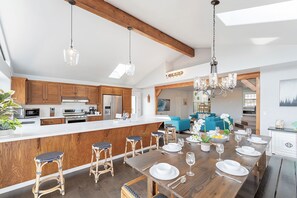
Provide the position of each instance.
(75, 140)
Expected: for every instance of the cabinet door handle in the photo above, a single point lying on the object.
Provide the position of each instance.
(289, 145)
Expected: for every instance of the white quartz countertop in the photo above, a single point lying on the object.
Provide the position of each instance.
(32, 131)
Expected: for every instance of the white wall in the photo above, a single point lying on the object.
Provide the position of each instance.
(241, 59)
(270, 109)
(5, 74)
(148, 108)
(231, 104)
(177, 108)
(45, 109)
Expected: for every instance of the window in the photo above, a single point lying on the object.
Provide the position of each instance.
(250, 100)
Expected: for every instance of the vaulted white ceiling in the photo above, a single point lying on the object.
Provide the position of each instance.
(37, 32)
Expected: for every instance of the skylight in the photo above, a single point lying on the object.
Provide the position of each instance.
(118, 72)
(263, 41)
(283, 11)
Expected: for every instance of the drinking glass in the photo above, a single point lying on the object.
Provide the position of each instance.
(238, 139)
(190, 159)
(249, 132)
(218, 130)
(220, 150)
(181, 142)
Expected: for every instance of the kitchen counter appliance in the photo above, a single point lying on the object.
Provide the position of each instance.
(74, 115)
(112, 105)
(22, 113)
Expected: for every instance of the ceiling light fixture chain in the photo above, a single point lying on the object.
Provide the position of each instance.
(209, 86)
(71, 55)
(130, 59)
(130, 67)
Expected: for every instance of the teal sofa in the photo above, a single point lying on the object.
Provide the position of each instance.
(180, 124)
(196, 115)
(211, 122)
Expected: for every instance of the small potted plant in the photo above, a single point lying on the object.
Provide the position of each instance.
(205, 144)
(7, 123)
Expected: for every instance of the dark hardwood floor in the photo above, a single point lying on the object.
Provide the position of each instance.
(80, 185)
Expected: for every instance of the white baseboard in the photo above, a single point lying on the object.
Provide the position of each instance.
(65, 172)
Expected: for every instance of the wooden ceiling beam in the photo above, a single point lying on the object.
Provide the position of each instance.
(118, 16)
(249, 85)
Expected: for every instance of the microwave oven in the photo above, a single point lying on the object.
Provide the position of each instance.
(32, 113)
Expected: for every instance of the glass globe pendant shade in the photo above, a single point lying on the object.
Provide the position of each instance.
(232, 80)
(213, 80)
(130, 69)
(71, 56)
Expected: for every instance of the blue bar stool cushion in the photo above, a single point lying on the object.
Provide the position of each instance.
(49, 157)
(134, 138)
(157, 134)
(102, 145)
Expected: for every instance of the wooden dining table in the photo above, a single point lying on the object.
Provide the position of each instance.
(206, 182)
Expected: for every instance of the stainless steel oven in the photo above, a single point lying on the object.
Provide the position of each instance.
(74, 115)
(75, 119)
(32, 113)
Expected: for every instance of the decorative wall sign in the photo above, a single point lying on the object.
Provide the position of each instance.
(288, 93)
(174, 74)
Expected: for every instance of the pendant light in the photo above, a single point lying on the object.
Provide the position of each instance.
(227, 83)
(71, 55)
(130, 67)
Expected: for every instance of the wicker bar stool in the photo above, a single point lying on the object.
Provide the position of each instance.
(156, 135)
(133, 140)
(170, 134)
(97, 148)
(42, 160)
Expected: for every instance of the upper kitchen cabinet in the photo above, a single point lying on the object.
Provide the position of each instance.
(44, 92)
(19, 85)
(68, 90)
(92, 93)
(71, 90)
(53, 93)
(80, 91)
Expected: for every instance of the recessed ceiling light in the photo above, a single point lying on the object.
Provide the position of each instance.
(263, 41)
(118, 72)
(283, 11)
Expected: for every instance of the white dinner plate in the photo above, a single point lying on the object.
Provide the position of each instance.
(257, 142)
(241, 172)
(240, 132)
(190, 139)
(174, 173)
(253, 154)
(175, 148)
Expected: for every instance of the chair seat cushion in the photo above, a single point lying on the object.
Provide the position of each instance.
(157, 134)
(102, 145)
(134, 138)
(160, 195)
(49, 157)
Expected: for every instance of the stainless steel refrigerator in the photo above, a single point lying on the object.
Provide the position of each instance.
(111, 106)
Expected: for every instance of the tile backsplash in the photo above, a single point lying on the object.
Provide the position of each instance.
(45, 109)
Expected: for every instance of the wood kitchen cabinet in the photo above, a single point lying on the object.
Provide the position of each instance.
(52, 121)
(127, 101)
(19, 85)
(71, 90)
(94, 118)
(41, 92)
(92, 93)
